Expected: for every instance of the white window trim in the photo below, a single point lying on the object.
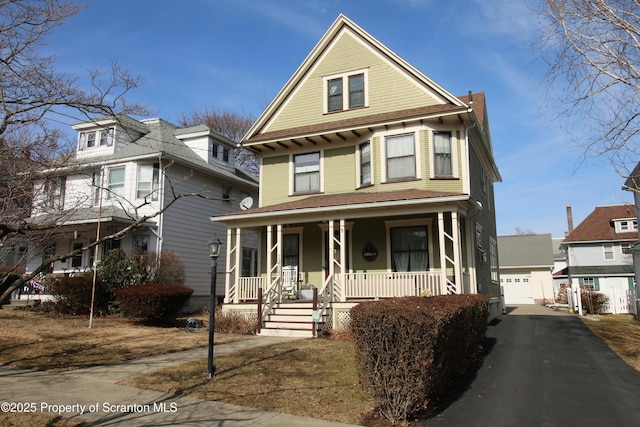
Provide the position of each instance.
(382, 140)
(455, 146)
(608, 248)
(359, 164)
(428, 222)
(292, 173)
(345, 89)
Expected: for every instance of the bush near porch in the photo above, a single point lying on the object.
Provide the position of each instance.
(410, 349)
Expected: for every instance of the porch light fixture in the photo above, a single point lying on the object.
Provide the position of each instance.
(214, 251)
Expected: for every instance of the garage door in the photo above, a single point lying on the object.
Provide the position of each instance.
(517, 289)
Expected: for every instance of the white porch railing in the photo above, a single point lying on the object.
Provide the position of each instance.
(396, 284)
(248, 287)
(362, 285)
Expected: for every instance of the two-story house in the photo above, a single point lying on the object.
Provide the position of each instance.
(374, 182)
(597, 254)
(124, 169)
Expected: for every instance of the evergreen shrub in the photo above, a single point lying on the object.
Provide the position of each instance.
(152, 301)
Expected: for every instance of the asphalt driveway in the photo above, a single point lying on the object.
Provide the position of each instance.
(544, 368)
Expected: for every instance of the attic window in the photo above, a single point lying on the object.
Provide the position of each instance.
(355, 84)
(626, 225)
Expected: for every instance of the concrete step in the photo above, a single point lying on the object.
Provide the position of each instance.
(267, 332)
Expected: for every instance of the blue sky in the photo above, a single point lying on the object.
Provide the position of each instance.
(235, 55)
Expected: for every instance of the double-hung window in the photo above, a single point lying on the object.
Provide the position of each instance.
(608, 251)
(401, 157)
(346, 91)
(91, 139)
(55, 192)
(442, 154)
(115, 184)
(365, 163)
(306, 173)
(148, 177)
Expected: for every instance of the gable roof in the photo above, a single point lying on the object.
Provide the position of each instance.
(259, 133)
(598, 225)
(528, 250)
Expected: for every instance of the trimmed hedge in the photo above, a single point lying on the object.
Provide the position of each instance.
(152, 301)
(73, 294)
(410, 350)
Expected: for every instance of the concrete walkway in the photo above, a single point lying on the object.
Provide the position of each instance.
(93, 395)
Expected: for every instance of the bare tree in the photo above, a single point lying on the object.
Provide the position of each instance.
(230, 124)
(592, 48)
(33, 96)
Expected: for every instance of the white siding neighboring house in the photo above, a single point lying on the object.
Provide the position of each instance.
(135, 168)
(526, 263)
(633, 184)
(598, 255)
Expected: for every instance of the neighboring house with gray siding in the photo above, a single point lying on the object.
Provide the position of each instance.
(526, 264)
(124, 169)
(599, 258)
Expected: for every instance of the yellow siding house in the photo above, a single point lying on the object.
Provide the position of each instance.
(375, 182)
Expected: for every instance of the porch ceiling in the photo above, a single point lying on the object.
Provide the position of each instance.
(348, 205)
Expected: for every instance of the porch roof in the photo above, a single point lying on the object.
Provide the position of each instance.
(87, 216)
(344, 202)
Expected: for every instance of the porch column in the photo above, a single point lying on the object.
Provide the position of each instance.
(238, 262)
(343, 260)
(443, 254)
(228, 276)
(457, 252)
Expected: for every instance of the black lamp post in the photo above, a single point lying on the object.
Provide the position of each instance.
(214, 251)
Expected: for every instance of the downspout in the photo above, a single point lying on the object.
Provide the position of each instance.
(471, 255)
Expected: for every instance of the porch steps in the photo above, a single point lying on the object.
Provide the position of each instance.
(290, 319)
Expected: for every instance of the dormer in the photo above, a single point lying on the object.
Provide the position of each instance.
(625, 225)
(212, 147)
(106, 135)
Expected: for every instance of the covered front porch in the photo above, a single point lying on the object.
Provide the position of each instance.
(347, 255)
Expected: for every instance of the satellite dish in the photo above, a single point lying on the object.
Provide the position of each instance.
(246, 203)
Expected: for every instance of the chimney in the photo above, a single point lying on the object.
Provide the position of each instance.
(569, 218)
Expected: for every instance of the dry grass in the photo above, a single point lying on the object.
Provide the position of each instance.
(31, 420)
(61, 343)
(313, 378)
(622, 333)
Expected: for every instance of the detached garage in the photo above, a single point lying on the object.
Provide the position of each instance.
(526, 263)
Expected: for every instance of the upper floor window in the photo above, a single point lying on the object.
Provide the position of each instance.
(102, 137)
(401, 156)
(356, 96)
(226, 193)
(225, 155)
(115, 184)
(442, 154)
(625, 226)
(306, 171)
(365, 163)
(54, 192)
(608, 251)
(148, 178)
